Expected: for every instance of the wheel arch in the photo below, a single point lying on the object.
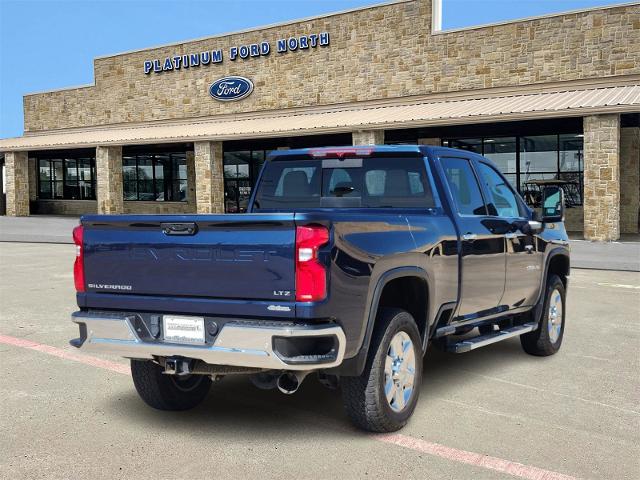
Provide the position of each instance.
(394, 289)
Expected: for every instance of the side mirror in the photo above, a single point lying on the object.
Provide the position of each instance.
(552, 204)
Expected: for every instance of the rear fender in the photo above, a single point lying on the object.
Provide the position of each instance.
(355, 365)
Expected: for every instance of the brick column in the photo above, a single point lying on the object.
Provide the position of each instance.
(368, 137)
(191, 180)
(629, 179)
(109, 193)
(602, 177)
(209, 177)
(16, 166)
(434, 142)
(33, 176)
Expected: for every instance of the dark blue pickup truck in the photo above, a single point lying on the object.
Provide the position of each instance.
(349, 263)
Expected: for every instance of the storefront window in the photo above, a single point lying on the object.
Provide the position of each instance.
(241, 170)
(530, 162)
(155, 177)
(539, 154)
(502, 150)
(66, 177)
(470, 144)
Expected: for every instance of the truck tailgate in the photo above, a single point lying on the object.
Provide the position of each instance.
(248, 256)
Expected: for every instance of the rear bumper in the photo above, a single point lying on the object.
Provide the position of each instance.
(242, 343)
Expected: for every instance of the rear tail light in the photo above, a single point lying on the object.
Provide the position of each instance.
(311, 276)
(78, 266)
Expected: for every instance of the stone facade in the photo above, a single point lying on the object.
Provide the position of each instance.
(109, 191)
(629, 179)
(602, 177)
(17, 183)
(33, 180)
(164, 208)
(375, 53)
(368, 137)
(65, 207)
(209, 177)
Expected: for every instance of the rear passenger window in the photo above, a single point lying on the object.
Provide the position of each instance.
(464, 186)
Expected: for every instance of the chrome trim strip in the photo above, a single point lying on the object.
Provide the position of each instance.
(236, 345)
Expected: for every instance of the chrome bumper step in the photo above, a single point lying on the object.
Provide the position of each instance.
(481, 341)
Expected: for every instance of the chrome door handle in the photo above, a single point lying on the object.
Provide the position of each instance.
(469, 236)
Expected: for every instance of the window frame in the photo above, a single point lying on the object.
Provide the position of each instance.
(257, 158)
(520, 173)
(63, 159)
(174, 158)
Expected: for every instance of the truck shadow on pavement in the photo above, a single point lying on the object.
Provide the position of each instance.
(239, 410)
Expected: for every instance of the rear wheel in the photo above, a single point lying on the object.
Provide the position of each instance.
(384, 396)
(547, 339)
(168, 392)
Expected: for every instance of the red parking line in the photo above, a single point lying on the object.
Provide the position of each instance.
(422, 446)
(471, 458)
(60, 353)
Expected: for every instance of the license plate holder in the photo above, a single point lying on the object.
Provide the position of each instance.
(179, 329)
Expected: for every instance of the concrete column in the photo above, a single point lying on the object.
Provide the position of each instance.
(17, 183)
(209, 177)
(434, 142)
(629, 179)
(109, 192)
(368, 137)
(602, 177)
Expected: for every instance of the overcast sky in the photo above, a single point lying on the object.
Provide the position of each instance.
(51, 44)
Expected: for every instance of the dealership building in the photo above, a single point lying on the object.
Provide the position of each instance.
(185, 128)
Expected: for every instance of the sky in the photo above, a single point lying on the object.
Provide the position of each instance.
(50, 44)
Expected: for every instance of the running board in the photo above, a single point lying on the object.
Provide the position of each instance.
(483, 340)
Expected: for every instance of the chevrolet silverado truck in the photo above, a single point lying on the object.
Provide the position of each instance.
(349, 263)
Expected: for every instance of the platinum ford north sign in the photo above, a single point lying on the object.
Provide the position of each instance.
(228, 89)
(243, 52)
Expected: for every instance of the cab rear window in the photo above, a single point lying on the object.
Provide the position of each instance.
(349, 183)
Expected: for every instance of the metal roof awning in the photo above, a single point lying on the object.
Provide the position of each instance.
(574, 102)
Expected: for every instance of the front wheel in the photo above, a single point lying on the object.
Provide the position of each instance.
(384, 396)
(547, 339)
(168, 392)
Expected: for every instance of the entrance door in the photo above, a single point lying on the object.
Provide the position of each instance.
(483, 252)
(241, 169)
(3, 194)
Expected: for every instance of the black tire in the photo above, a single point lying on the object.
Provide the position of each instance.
(168, 392)
(540, 341)
(364, 396)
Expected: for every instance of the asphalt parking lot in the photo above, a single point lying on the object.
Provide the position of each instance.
(492, 413)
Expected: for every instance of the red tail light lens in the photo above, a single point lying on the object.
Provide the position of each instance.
(311, 276)
(78, 266)
(342, 152)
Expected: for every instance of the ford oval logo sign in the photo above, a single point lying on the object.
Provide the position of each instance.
(228, 89)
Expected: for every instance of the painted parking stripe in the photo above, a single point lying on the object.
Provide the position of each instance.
(60, 353)
(435, 449)
(618, 285)
(470, 458)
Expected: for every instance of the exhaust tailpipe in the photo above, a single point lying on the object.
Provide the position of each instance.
(288, 383)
